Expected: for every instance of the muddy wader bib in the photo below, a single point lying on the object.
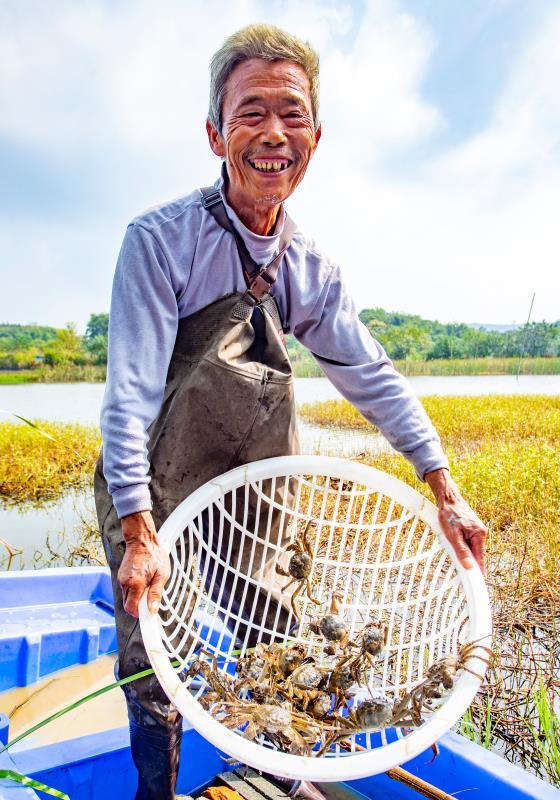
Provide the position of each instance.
(228, 400)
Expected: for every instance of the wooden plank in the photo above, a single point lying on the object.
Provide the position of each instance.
(238, 784)
(251, 785)
(265, 787)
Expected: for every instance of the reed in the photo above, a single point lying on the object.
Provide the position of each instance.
(547, 735)
(34, 468)
(79, 547)
(307, 367)
(462, 420)
(481, 366)
(61, 373)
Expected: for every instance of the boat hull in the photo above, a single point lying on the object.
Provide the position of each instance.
(99, 766)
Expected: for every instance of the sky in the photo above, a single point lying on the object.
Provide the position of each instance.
(436, 184)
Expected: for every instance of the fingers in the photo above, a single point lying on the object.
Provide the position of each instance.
(131, 597)
(478, 547)
(156, 590)
(475, 532)
(466, 533)
(145, 565)
(462, 550)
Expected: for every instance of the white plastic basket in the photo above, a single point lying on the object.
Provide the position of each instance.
(375, 540)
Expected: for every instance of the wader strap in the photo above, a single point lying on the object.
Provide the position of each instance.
(258, 279)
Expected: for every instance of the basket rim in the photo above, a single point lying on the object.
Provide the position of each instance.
(352, 765)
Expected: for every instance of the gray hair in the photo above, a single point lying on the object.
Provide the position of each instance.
(260, 41)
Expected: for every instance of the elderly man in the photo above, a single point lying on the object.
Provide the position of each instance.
(226, 264)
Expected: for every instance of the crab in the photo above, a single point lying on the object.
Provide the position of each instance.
(304, 679)
(250, 667)
(340, 681)
(332, 626)
(439, 679)
(299, 568)
(289, 659)
(372, 714)
(319, 704)
(371, 642)
(220, 684)
(290, 731)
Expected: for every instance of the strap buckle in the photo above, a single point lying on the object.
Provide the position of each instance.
(260, 285)
(211, 199)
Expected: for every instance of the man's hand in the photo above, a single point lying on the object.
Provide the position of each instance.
(145, 563)
(461, 525)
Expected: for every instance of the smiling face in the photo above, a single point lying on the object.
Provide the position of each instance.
(268, 135)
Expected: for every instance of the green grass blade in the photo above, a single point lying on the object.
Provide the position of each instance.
(12, 775)
(30, 423)
(144, 673)
(38, 429)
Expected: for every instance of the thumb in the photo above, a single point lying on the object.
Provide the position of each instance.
(155, 591)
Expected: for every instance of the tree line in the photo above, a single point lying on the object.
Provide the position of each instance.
(30, 346)
(410, 337)
(404, 337)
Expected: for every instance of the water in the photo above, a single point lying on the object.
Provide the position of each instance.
(29, 529)
(81, 402)
(44, 536)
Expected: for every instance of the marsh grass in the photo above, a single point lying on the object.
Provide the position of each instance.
(81, 546)
(8, 552)
(504, 453)
(462, 420)
(481, 366)
(61, 373)
(307, 367)
(36, 469)
(547, 735)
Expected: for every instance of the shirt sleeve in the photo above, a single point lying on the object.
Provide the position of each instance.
(362, 372)
(142, 331)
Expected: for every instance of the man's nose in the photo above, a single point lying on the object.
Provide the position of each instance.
(273, 130)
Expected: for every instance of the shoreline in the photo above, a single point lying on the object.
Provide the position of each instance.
(466, 367)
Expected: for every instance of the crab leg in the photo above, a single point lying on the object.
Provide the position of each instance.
(309, 595)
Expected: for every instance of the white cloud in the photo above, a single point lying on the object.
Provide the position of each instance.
(372, 100)
(472, 233)
(469, 234)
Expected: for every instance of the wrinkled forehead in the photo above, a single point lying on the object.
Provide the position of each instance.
(256, 78)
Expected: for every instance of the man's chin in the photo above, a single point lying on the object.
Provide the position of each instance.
(274, 193)
(271, 199)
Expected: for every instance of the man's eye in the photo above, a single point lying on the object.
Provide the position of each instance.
(252, 114)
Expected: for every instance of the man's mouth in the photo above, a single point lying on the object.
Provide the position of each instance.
(270, 164)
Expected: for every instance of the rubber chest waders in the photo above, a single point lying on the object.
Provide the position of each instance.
(228, 400)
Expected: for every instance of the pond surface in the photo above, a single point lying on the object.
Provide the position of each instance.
(48, 534)
(81, 402)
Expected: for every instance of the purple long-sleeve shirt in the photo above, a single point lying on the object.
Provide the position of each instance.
(175, 259)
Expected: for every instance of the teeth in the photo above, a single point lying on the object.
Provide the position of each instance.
(269, 166)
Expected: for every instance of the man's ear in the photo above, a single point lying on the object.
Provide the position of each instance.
(217, 144)
(318, 133)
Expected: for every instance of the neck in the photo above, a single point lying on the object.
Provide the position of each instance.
(259, 219)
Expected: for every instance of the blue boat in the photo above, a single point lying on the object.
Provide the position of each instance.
(99, 767)
(51, 619)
